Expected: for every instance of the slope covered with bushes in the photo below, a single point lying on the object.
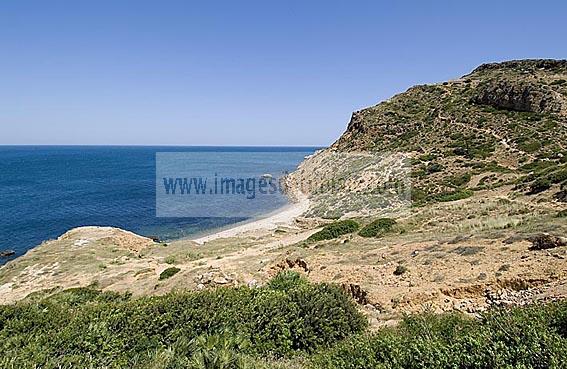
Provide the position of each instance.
(504, 123)
(527, 337)
(86, 328)
(288, 323)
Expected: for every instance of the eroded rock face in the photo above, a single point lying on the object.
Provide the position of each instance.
(291, 264)
(518, 96)
(358, 294)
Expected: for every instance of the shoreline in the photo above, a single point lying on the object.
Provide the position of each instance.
(283, 216)
(279, 217)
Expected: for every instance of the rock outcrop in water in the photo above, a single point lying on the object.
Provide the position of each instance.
(6, 253)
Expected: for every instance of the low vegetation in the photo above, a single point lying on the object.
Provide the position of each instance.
(452, 195)
(91, 329)
(168, 273)
(421, 197)
(459, 180)
(543, 177)
(335, 230)
(377, 228)
(528, 337)
(558, 82)
(307, 325)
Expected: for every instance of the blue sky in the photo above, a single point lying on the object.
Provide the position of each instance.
(240, 72)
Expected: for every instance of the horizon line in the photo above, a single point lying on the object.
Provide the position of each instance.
(151, 145)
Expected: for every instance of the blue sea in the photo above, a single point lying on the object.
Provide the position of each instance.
(47, 190)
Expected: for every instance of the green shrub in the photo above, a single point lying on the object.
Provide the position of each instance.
(527, 337)
(424, 170)
(491, 166)
(540, 185)
(418, 196)
(170, 259)
(536, 165)
(434, 168)
(86, 328)
(419, 172)
(529, 146)
(168, 273)
(561, 214)
(558, 176)
(453, 195)
(217, 351)
(471, 146)
(459, 180)
(427, 157)
(233, 328)
(335, 230)
(544, 179)
(286, 281)
(377, 228)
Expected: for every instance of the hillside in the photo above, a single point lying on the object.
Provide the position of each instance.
(503, 124)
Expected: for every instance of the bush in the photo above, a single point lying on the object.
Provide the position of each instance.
(170, 259)
(558, 176)
(527, 337)
(539, 185)
(459, 180)
(168, 273)
(471, 146)
(87, 328)
(536, 165)
(545, 241)
(427, 157)
(543, 179)
(453, 196)
(529, 146)
(418, 196)
(335, 230)
(561, 214)
(233, 327)
(434, 168)
(400, 269)
(286, 281)
(377, 228)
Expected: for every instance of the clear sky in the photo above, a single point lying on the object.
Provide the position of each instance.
(240, 72)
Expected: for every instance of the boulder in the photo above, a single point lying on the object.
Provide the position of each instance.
(6, 253)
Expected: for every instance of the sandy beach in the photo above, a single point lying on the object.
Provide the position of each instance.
(281, 217)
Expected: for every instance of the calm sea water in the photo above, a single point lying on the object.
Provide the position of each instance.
(47, 190)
